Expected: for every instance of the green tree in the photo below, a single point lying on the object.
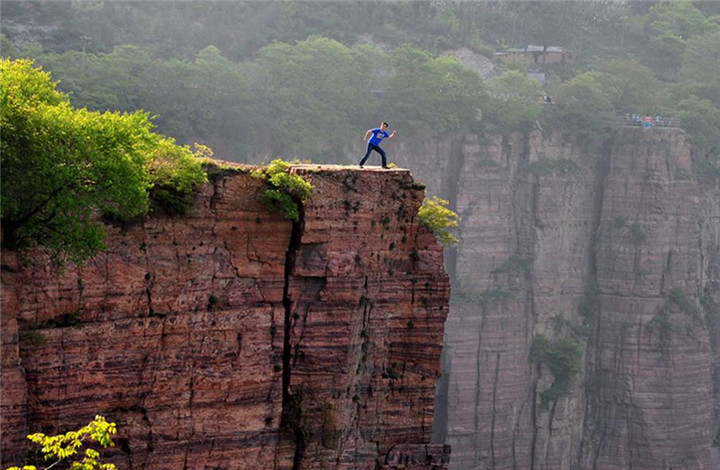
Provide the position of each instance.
(309, 92)
(670, 25)
(431, 95)
(61, 166)
(629, 85)
(700, 71)
(516, 100)
(202, 100)
(7, 49)
(64, 447)
(701, 120)
(580, 105)
(563, 357)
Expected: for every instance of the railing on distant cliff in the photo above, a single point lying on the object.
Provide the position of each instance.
(623, 119)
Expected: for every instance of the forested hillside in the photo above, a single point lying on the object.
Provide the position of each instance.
(304, 79)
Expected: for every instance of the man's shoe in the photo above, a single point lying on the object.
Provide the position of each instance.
(385, 167)
(361, 166)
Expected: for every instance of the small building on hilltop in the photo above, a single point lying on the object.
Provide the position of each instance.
(534, 55)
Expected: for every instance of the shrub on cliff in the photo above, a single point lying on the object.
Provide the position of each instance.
(285, 192)
(62, 166)
(515, 100)
(64, 447)
(581, 105)
(435, 215)
(562, 356)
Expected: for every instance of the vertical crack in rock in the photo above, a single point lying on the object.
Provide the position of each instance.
(494, 409)
(592, 439)
(291, 410)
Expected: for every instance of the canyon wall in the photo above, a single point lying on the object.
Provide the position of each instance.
(584, 324)
(234, 338)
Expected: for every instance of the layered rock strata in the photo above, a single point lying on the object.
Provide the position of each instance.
(606, 252)
(234, 338)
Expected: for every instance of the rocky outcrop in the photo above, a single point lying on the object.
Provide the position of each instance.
(583, 330)
(234, 338)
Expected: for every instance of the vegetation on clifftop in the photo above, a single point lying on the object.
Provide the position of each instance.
(285, 192)
(62, 166)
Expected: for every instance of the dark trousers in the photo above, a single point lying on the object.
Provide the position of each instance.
(370, 148)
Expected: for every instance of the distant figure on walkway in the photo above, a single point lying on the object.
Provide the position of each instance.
(648, 121)
(378, 134)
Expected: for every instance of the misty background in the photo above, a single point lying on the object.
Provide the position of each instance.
(257, 80)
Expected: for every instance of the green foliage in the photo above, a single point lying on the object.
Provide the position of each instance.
(33, 338)
(629, 85)
(311, 88)
(700, 72)
(7, 49)
(680, 298)
(700, 118)
(193, 99)
(670, 25)
(286, 192)
(175, 173)
(66, 320)
(516, 100)
(580, 105)
(563, 358)
(637, 233)
(61, 165)
(432, 95)
(215, 75)
(64, 447)
(435, 215)
(513, 265)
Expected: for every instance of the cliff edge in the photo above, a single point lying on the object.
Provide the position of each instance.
(236, 338)
(583, 331)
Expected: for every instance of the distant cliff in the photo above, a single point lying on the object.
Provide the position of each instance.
(584, 328)
(234, 338)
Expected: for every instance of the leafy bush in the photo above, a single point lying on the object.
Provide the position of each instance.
(562, 356)
(580, 105)
(175, 172)
(435, 215)
(700, 118)
(64, 447)
(433, 95)
(286, 192)
(515, 100)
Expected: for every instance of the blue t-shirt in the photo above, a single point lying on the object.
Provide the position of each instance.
(377, 136)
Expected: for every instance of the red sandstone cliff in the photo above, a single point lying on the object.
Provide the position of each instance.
(613, 244)
(235, 339)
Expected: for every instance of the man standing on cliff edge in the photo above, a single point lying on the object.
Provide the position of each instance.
(378, 134)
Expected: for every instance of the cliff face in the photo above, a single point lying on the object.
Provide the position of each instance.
(583, 331)
(234, 338)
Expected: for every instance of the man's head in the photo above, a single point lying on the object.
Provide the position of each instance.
(384, 125)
